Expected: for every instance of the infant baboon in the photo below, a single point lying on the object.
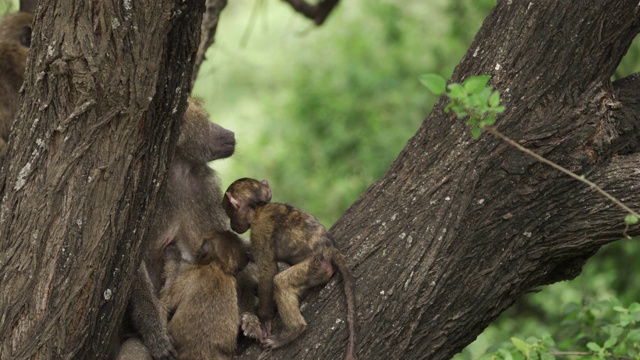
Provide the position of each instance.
(15, 39)
(280, 232)
(201, 298)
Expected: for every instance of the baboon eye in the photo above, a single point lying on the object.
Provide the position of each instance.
(25, 36)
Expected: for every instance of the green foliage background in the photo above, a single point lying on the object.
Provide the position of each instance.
(322, 112)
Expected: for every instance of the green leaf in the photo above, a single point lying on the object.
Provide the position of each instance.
(635, 307)
(626, 319)
(634, 336)
(506, 355)
(488, 121)
(494, 100)
(475, 132)
(593, 346)
(499, 109)
(458, 110)
(631, 219)
(447, 109)
(620, 309)
(613, 330)
(456, 91)
(435, 83)
(522, 346)
(476, 84)
(610, 342)
(548, 340)
(485, 94)
(477, 102)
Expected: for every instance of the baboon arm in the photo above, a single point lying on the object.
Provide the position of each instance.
(170, 296)
(147, 317)
(267, 307)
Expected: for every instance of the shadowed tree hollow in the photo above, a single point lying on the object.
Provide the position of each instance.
(454, 233)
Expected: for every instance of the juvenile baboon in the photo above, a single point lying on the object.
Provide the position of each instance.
(280, 232)
(189, 206)
(201, 298)
(15, 39)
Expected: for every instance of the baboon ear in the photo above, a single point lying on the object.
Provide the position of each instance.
(28, 5)
(202, 255)
(205, 248)
(266, 185)
(233, 201)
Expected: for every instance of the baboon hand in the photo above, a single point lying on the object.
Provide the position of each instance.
(251, 327)
(266, 327)
(271, 342)
(161, 347)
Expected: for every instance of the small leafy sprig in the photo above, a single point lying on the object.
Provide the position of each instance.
(472, 99)
(480, 103)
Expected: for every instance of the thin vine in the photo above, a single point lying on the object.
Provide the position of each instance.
(480, 104)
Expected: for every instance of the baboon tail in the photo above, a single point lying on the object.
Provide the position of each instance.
(340, 262)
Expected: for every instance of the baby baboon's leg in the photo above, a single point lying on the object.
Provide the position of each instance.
(288, 286)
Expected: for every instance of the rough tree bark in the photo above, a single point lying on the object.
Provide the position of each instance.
(106, 83)
(458, 229)
(447, 240)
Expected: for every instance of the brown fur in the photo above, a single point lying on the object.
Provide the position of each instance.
(189, 206)
(190, 203)
(280, 232)
(201, 298)
(133, 349)
(146, 318)
(15, 39)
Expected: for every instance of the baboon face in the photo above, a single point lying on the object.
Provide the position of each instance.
(16, 28)
(242, 198)
(201, 140)
(225, 248)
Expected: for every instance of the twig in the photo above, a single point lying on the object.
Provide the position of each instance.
(208, 32)
(592, 185)
(318, 13)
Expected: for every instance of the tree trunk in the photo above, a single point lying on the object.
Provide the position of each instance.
(106, 83)
(458, 229)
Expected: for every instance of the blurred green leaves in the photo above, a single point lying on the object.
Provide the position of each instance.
(322, 112)
(603, 330)
(329, 118)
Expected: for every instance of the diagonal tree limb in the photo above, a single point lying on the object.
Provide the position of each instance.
(209, 26)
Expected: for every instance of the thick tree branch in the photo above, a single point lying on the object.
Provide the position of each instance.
(458, 229)
(88, 153)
